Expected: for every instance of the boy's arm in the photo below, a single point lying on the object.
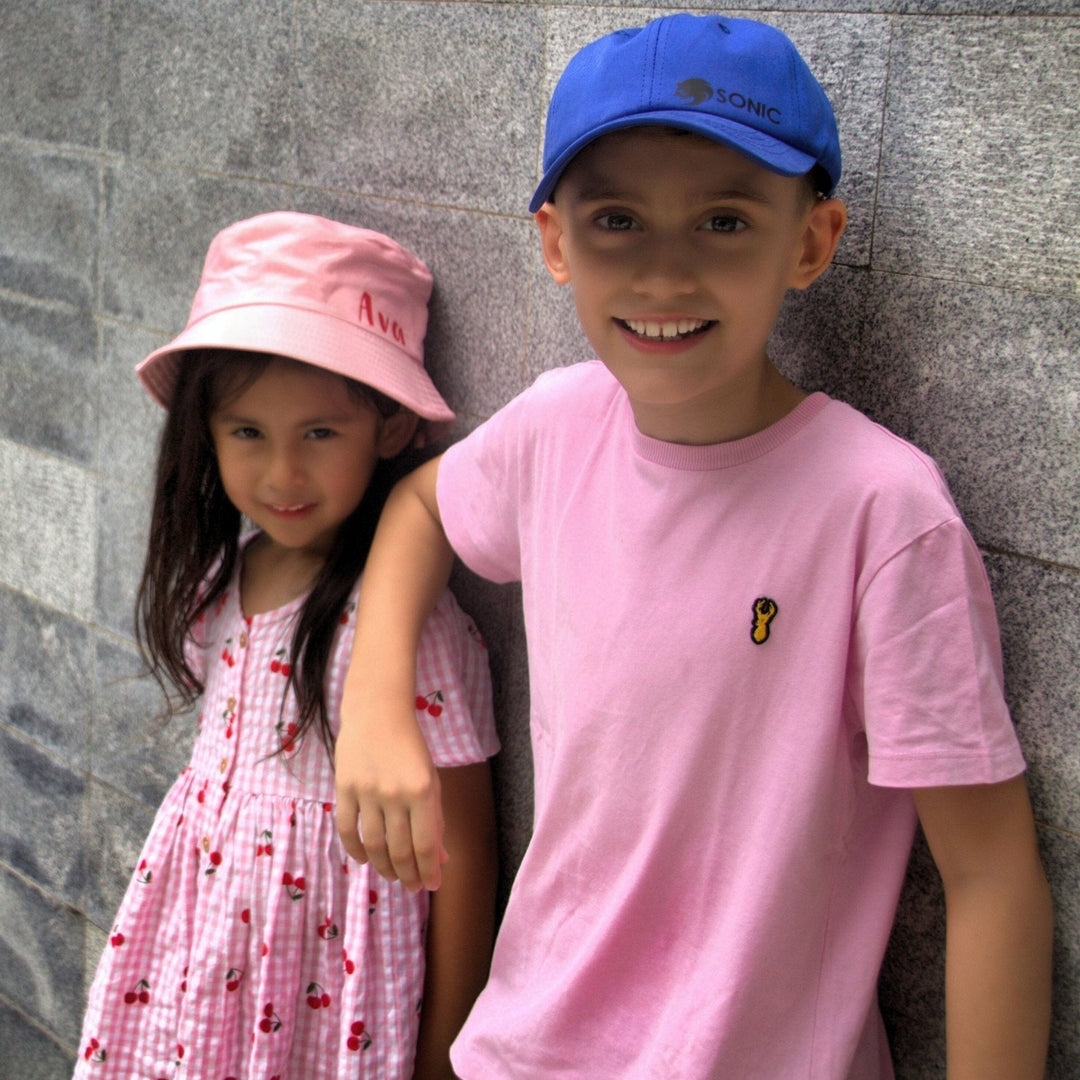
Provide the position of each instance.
(999, 933)
(461, 926)
(385, 775)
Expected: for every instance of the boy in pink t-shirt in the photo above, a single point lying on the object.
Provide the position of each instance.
(761, 641)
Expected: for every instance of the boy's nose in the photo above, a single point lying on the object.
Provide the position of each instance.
(664, 270)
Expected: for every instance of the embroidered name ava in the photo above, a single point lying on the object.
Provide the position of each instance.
(376, 319)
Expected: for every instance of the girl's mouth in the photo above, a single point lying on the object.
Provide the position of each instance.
(290, 510)
(661, 330)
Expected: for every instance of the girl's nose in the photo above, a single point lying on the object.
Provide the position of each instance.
(285, 469)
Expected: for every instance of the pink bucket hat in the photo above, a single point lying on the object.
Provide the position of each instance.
(346, 299)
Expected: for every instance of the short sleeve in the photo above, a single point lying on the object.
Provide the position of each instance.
(480, 499)
(928, 670)
(453, 688)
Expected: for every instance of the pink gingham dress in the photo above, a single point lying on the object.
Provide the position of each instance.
(248, 945)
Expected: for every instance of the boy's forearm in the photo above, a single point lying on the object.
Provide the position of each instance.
(387, 786)
(998, 961)
(406, 572)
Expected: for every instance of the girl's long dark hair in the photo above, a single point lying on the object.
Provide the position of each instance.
(194, 541)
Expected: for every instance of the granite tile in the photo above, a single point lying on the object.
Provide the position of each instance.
(122, 527)
(987, 382)
(29, 1052)
(847, 53)
(133, 748)
(52, 65)
(41, 962)
(47, 378)
(981, 153)
(479, 312)
(556, 338)
(159, 223)
(429, 102)
(49, 207)
(819, 338)
(117, 826)
(48, 541)
(129, 420)
(203, 85)
(45, 794)
(46, 687)
(1040, 638)
(1061, 857)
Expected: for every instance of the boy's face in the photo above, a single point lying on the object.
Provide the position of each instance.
(680, 251)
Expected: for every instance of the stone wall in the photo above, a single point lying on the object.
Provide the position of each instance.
(131, 131)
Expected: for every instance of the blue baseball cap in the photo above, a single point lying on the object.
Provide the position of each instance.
(737, 81)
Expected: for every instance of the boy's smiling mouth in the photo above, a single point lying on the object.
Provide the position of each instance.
(665, 329)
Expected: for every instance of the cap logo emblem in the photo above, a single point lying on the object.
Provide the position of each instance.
(373, 317)
(698, 91)
(694, 91)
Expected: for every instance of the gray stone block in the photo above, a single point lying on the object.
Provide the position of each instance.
(1061, 857)
(1040, 637)
(159, 223)
(48, 544)
(981, 153)
(40, 833)
(46, 691)
(123, 522)
(28, 1052)
(52, 70)
(129, 420)
(133, 749)
(987, 382)
(437, 103)
(41, 957)
(49, 206)
(117, 826)
(48, 378)
(203, 85)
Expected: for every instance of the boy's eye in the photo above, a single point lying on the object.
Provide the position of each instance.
(616, 222)
(726, 223)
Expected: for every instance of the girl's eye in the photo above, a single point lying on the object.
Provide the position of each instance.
(320, 433)
(247, 433)
(725, 223)
(616, 222)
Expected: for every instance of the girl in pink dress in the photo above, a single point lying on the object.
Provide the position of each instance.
(248, 945)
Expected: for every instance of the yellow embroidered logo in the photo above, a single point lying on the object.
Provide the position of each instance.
(764, 612)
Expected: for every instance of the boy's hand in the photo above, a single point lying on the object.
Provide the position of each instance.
(389, 809)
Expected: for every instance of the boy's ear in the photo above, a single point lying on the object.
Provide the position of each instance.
(824, 227)
(551, 247)
(396, 432)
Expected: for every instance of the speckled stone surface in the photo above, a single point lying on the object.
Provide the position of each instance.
(980, 169)
(437, 103)
(48, 544)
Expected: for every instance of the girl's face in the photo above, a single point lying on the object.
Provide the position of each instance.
(296, 451)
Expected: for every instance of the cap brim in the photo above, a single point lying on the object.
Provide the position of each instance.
(309, 336)
(771, 153)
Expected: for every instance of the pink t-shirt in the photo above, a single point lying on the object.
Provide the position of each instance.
(741, 655)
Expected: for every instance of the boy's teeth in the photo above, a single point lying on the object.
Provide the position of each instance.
(663, 331)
